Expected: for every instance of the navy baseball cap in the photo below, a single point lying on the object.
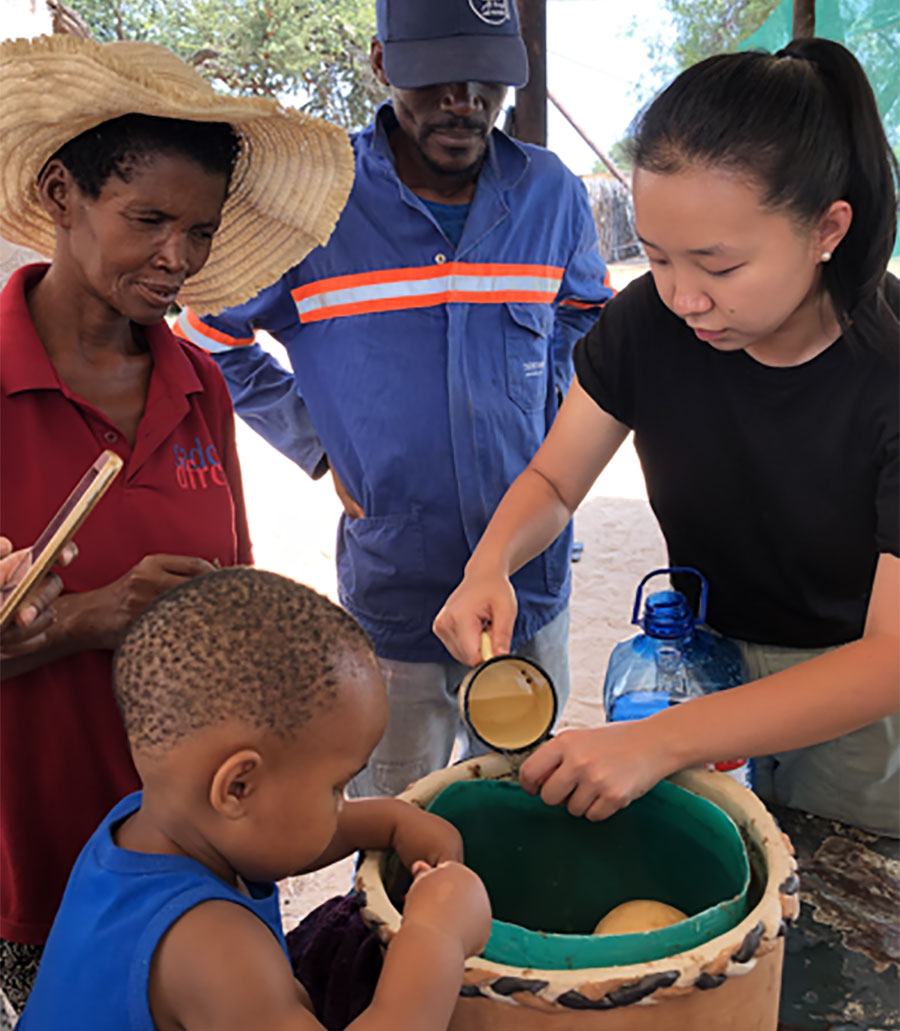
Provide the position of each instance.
(427, 42)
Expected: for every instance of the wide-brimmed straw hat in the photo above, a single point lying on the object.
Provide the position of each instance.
(290, 181)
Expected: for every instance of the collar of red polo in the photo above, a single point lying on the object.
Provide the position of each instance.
(24, 364)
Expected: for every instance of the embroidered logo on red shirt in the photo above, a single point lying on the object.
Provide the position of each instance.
(199, 467)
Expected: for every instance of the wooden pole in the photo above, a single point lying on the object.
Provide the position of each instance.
(531, 100)
(606, 161)
(804, 19)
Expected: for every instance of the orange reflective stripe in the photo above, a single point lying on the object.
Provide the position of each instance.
(336, 311)
(414, 274)
(215, 334)
(452, 282)
(189, 327)
(571, 303)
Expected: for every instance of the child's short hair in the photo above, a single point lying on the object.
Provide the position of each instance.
(239, 644)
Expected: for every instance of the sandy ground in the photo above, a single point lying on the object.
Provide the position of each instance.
(293, 522)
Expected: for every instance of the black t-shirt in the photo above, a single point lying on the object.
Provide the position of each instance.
(779, 484)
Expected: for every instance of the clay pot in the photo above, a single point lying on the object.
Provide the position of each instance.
(730, 982)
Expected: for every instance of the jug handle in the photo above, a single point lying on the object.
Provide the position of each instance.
(704, 590)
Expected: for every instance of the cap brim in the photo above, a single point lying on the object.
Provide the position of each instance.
(411, 64)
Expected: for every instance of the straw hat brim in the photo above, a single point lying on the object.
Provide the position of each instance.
(290, 182)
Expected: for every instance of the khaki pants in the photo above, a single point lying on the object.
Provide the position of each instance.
(855, 778)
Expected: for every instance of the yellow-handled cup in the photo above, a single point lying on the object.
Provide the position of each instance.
(507, 701)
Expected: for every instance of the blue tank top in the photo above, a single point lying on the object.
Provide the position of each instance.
(117, 906)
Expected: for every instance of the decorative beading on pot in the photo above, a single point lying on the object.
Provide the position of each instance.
(772, 904)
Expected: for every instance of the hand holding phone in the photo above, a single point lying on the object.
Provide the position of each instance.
(37, 600)
(36, 561)
(36, 613)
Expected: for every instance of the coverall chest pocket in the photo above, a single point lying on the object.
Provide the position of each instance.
(528, 363)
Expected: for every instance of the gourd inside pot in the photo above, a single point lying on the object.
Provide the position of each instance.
(552, 876)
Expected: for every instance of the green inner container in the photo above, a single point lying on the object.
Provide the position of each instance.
(552, 876)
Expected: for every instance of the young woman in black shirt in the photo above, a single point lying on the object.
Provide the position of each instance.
(757, 364)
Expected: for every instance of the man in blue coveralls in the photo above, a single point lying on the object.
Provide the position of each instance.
(430, 342)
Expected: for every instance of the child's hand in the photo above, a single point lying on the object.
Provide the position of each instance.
(596, 772)
(421, 835)
(451, 900)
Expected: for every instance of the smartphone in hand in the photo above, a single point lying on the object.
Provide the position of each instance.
(58, 532)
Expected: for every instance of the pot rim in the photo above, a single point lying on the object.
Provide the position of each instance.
(729, 954)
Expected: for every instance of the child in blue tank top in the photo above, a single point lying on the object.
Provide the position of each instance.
(249, 702)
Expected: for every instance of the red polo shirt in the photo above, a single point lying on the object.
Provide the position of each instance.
(64, 759)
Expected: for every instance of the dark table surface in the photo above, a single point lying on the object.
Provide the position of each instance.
(841, 957)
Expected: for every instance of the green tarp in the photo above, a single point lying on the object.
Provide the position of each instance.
(868, 28)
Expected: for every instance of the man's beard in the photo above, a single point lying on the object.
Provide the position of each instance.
(468, 171)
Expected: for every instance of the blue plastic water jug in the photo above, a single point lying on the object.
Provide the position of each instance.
(673, 660)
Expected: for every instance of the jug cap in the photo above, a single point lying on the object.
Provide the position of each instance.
(667, 614)
(508, 701)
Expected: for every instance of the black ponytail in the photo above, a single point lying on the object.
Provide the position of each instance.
(854, 278)
(803, 124)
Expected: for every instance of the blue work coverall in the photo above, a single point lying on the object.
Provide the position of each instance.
(427, 374)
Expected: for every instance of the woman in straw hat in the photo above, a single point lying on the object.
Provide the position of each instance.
(145, 186)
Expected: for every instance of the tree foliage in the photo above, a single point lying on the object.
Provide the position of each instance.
(696, 29)
(314, 50)
(706, 27)
(699, 29)
(620, 157)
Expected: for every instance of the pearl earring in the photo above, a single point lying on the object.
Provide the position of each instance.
(826, 255)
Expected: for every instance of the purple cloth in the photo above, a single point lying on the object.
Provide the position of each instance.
(337, 959)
